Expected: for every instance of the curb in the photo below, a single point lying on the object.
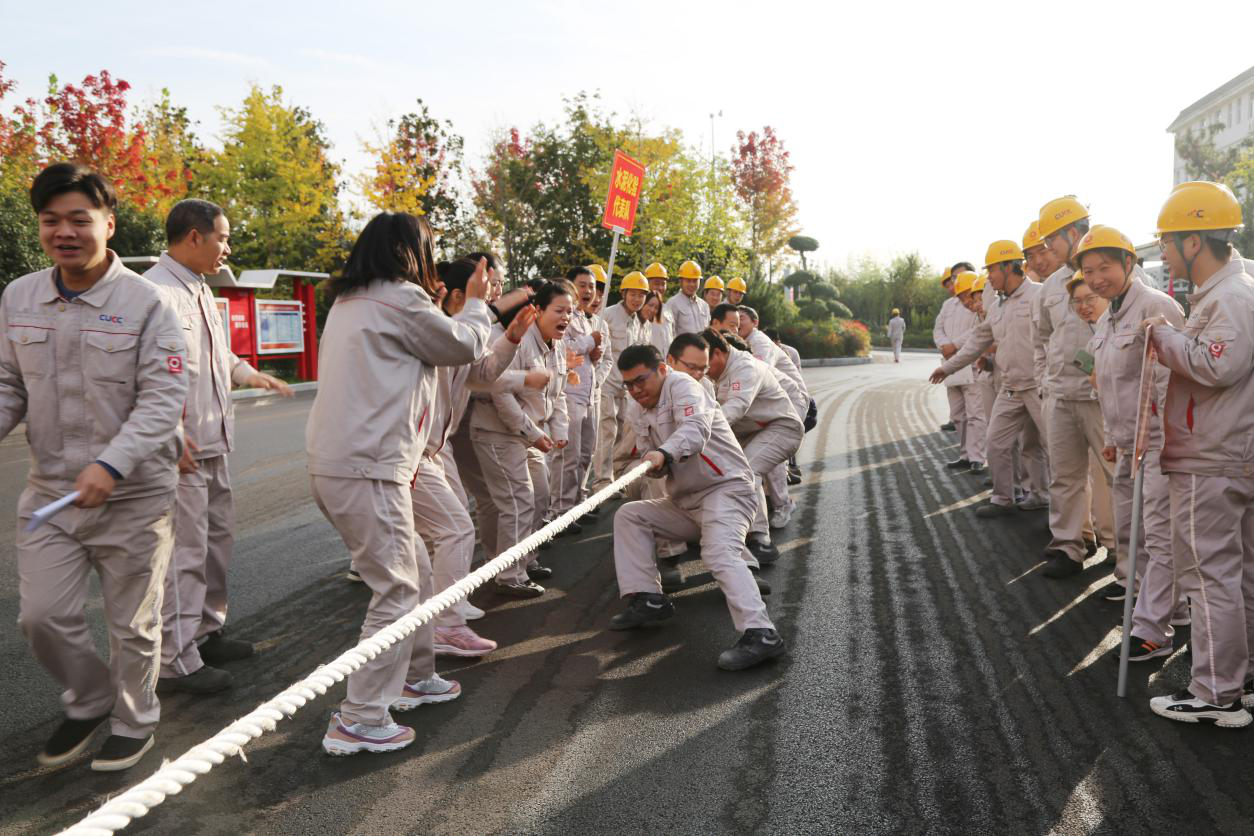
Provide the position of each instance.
(257, 394)
(834, 361)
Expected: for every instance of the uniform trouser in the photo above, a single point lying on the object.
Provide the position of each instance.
(767, 449)
(988, 397)
(776, 483)
(375, 519)
(656, 489)
(975, 427)
(958, 413)
(609, 430)
(1213, 549)
(474, 485)
(566, 477)
(195, 583)
(1013, 413)
(518, 479)
(440, 516)
(588, 444)
(1074, 433)
(720, 521)
(896, 351)
(128, 542)
(1158, 597)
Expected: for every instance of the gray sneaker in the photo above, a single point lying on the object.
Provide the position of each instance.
(756, 646)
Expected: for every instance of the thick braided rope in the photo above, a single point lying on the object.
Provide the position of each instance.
(173, 776)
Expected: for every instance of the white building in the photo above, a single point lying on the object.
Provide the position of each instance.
(1230, 105)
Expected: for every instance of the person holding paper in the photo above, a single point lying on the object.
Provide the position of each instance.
(195, 606)
(94, 361)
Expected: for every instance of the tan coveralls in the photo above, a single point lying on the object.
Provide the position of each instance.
(363, 441)
(962, 322)
(712, 499)
(691, 313)
(570, 464)
(942, 337)
(101, 377)
(626, 329)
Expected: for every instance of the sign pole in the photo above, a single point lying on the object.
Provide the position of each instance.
(609, 274)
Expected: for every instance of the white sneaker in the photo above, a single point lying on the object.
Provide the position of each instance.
(1186, 708)
(469, 611)
(783, 516)
(431, 690)
(350, 738)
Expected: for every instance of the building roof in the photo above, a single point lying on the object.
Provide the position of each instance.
(1202, 104)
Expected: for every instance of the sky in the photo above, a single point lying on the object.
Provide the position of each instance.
(926, 127)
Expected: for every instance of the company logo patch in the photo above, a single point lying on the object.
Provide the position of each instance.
(688, 410)
(174, 364)
(736, 386)
(1217, 350)
(116, 320)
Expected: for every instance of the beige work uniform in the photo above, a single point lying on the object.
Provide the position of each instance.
(365, 435)
(712, 499)
(204, 512)
(1208, 456)
(941, 336)
(503, 431)
(440, 510)
(101, 377)
(626, 329)
(1017, 411)
(762, 418)
(896, 335)
(570, 464)
(1079, 487)
(662, 334)
(974, 431)
(1118, 348)
(691, 313)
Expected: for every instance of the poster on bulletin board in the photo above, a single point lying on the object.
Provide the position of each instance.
(279, 326)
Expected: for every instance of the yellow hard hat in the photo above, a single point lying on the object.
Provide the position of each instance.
(598, 272)
(634, 280)
(713, 283)
(738, 284)
(896, 311)
(965, 282)
(980, 282)
(690, 270)
(1102, 237)
(1060, 212)
(1000, 251)
(1032, 238)
(946, 275)
(1077, 279)
(1200, 206)
(656, 270)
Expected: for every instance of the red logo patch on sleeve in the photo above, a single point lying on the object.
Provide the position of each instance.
(1217, 350)
(735, 385)
(174, 364)
(688, 410)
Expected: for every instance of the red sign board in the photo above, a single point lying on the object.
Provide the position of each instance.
(626, 181)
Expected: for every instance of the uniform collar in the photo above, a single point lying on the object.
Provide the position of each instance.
(191, 280)
(1234, 267)
(98, 293)
(533, 333)
(1124, 302)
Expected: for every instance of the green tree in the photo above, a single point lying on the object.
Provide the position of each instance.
(20, 252)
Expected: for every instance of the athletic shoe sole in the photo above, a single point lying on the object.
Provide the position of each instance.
(410, 703)
(460, 652)
(120, 764)
(1223, 719)
(65, 757)
(1165, 650)
(339, 748)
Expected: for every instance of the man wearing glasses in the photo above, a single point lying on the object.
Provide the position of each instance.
(712, 498)
(1079, 488)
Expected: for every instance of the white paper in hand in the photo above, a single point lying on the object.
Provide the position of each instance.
(42, 515)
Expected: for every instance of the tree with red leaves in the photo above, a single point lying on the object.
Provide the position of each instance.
(505, 193)
(761, 174)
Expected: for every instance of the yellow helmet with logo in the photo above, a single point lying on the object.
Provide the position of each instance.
(634, 280)
(947, 275)
(713, 283)
(1074, 282)
(964, 283)
(980, 282)
(690, 270)
(598, 272)
(1200, 206)
(738, 284)
(1060, 212)
(1102, 237)
(656, 270)
(1032, 238)
(1000, 251)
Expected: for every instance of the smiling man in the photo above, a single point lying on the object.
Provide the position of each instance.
(195, 596)
(94, 362)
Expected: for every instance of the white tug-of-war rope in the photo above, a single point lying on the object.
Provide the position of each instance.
(170, 779)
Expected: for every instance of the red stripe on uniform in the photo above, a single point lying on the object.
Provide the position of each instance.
(1188, 414)
(712, 465)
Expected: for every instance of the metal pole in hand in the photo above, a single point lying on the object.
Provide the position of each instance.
(609, 273)
(1130, 580)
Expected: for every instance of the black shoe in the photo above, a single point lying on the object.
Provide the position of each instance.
(766, 553)
(672, 579)
(217, 649)
(617, 495)
(977, 468)
(948, 427)
(1142, 650)
(755, 646)
(571, 530)
(959, 464)
(1060, 565)
(590, 518)
(518, 589)
(645, 608)
(69, 740)
(764, 588)
(1114, 593)
(120, 753)
(990, 510)
(794, 479)
(988, 483)
(539, 573)
(353, 575)
(1090, 548)
(207, 680)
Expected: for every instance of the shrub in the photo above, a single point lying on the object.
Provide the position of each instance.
(815, 310)
(830, 338)
(838, 309)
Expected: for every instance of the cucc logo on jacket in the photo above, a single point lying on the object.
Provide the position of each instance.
(116, 320)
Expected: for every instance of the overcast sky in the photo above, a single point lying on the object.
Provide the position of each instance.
(928, 126)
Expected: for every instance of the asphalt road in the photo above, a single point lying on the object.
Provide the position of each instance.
(936, 683)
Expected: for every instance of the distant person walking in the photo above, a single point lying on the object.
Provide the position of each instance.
(896, 333)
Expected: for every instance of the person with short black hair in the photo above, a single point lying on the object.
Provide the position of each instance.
(195, 608)
(711, 499)
(726, 318)
(613, 444)
(93, 360)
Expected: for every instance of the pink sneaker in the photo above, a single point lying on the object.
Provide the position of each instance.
(433, 689)
(350, 738)
(461, 641)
